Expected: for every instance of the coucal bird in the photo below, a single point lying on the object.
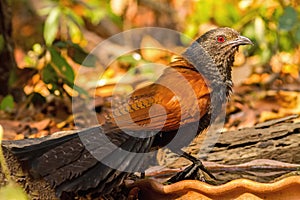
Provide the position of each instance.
(184, 101)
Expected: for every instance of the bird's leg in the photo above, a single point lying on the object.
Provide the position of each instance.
(196, 171)
(143, 175)
(198, 163)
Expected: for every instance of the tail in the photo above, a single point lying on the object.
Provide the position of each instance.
(82, 161)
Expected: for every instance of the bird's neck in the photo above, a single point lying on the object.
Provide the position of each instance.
(225, 69)
(224, 61)
(218, 72)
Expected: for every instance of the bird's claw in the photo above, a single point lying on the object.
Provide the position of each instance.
(196, 171)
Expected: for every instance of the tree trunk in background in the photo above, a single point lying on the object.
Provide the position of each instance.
(7, 59)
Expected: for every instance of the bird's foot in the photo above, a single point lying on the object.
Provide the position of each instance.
(196, 171)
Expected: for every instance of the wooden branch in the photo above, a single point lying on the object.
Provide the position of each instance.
(274, 140)
(277, 140)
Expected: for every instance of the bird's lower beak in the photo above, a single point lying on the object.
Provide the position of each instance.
(242, 40)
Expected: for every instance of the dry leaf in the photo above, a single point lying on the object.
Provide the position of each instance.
(118, 6)
(152, 50)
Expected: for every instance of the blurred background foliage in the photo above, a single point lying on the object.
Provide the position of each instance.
(273, 25)
(53, 37)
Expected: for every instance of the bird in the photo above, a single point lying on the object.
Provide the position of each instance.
(172, 111)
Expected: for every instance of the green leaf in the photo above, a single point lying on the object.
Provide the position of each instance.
(7, 103)
(60, 44)
(80, 90)
(74, 17)
(80, 56)
(64, 69)
(260, 29)
(95, 10)
(49, 75)
(51, 25)
(44, 11)
(89, 60)
(77, 54)
(288, 19)
(74, 31)
(297, 34)
(285, 42)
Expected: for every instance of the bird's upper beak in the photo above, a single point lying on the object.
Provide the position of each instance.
(242, 40)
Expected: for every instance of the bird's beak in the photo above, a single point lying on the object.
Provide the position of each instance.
(242, 40)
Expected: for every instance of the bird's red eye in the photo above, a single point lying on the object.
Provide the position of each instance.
(221, 38)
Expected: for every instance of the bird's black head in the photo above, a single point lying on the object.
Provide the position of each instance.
(222, 44)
